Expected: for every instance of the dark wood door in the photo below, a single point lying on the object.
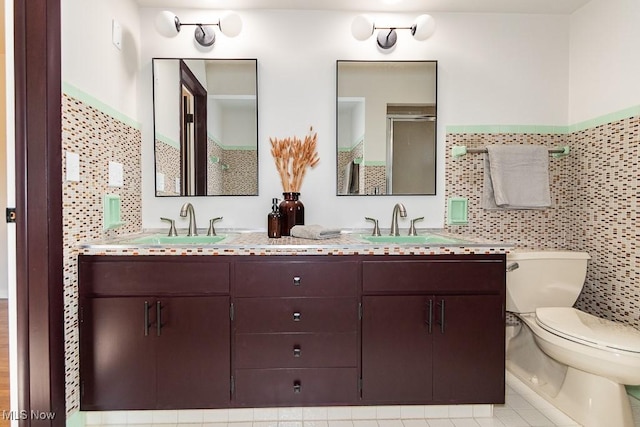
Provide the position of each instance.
(117, 363)
(193, 352)
(468, 362)
(396, 349)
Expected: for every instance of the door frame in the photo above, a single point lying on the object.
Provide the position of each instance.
(39, 245)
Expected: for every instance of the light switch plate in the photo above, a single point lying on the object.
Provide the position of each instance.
(116, 34)
(116, 176)
(72, 166)
(159, 181)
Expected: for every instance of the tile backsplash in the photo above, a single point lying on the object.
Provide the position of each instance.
(97, 138)
(595, 203)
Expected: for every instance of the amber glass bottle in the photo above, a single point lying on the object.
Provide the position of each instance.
(291, 211)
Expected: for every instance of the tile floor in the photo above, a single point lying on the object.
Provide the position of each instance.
(523, 408)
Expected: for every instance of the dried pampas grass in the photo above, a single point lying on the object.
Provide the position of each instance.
(292, 157)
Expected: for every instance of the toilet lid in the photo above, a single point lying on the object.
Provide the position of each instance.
(576, 325)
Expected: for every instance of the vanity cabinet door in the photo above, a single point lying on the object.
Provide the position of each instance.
(469, 351)
(117, 360)
(396, 350)
(193, 352)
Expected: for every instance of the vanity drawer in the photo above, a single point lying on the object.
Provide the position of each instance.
(269, 315)
(157, 275)
(451, 275)
(296, 387)
(304, 276)
(317, 350)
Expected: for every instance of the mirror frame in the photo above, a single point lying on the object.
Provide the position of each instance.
(200, 155)
(435, 132)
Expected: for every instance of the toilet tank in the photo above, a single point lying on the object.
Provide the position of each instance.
(544, 279)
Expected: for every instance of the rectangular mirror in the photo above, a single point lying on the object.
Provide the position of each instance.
(206, 127)
(386, 127)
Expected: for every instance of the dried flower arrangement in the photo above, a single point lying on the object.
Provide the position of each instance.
(292, 157)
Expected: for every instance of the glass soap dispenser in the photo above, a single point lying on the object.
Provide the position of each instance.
(274, 220)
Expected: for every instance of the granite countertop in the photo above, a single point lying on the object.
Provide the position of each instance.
(256, 242)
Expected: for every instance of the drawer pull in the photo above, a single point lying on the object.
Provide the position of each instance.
(297, 281)
(297, 316)
(297, 351)
(297, 387)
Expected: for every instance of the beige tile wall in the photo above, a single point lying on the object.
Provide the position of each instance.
(98, 138)
(594, 208)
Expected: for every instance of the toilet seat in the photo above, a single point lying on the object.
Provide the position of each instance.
(584, 328)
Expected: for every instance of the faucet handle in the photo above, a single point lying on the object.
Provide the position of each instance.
(212, 230)
(172, 226)
(376, 228)
(412, 228)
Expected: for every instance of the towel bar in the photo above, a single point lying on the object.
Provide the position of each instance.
(461, 150)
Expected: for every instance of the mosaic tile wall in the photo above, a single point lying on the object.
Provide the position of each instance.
(375, 177)
(606, 217)
(594, 208)
(168, 163)
(214, 170)
(242, 176)
(344, 157)
(98, 138)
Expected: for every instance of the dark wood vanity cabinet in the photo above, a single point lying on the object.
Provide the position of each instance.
(433, 330)
(249, 331)
(296, 326)
(152, 335)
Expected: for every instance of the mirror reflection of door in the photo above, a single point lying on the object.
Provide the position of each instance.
(193, 134)
(410, 152)
(188, 185)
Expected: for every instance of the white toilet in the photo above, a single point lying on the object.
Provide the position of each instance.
(577, 361)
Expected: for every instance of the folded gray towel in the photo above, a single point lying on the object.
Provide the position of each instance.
(516, 177)
(316, 232)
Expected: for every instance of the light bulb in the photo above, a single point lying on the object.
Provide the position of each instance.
(424, 27)
(230, 24)
(362, 27)
(167, 23)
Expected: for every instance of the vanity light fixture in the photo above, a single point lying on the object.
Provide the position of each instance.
(363, 27)
(169, 25)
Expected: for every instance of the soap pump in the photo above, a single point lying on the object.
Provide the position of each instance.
(273, 220)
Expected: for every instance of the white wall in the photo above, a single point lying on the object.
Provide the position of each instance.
(605, 63)
(493, 69)
(91, 63)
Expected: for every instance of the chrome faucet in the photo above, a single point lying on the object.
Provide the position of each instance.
(399, 207)
(187, 208)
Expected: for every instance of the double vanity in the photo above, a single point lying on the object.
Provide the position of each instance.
(255, 322)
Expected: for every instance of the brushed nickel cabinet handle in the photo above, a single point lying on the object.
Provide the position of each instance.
(297, 351)
(297, 387)
(158, 318)
(430, 316)
(147, 325)
(297, 281)
(297, 316)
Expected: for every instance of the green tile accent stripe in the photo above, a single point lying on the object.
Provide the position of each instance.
(77, 419)
(80, 95)
(607, 118)
(232, 147)
(544, 129)
(375, 163)
(163, 138)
